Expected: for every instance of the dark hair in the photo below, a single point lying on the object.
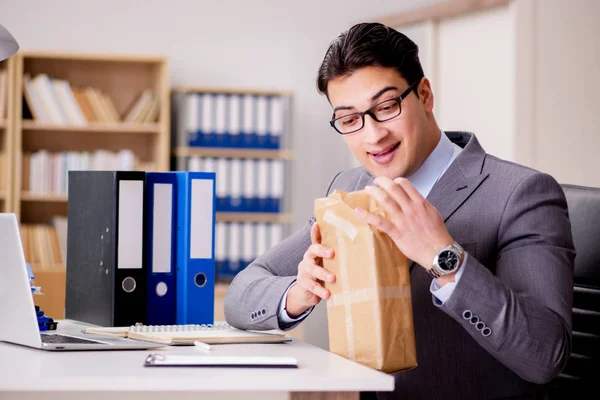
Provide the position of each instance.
(370, 44)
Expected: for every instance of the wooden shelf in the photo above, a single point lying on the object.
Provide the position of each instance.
(30, 125)
(221, 90)
(44, 197)
(232, 153)
(104, 57)
(253, 217)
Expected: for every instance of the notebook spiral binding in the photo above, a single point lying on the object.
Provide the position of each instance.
(179, 328)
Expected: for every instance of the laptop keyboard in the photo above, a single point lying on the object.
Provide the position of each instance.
(61, 339)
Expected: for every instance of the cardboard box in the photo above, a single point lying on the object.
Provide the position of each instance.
(370, 309)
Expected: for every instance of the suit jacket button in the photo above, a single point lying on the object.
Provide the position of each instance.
(253, 316)
(263, 311)
(486, 331)
(467, 314)
(474, 319)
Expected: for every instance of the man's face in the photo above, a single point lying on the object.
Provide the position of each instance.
(394, 148)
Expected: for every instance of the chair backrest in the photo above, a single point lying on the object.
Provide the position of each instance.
(581, 371)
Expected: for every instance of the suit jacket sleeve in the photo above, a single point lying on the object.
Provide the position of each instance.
(253, 297)
(527, 302)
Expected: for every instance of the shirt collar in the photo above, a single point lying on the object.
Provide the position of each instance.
(434, 165)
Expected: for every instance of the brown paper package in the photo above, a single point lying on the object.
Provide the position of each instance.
(370, 309)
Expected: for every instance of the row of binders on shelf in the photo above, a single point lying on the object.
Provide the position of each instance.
(56, 101)
(140, 248)
(240, 243)
(243, 185)
(44, 172)
(229, 120)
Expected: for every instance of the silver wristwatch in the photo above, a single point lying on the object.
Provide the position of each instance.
(447, 260)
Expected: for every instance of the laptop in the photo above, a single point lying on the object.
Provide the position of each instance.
(17, 310)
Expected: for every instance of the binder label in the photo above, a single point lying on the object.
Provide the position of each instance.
(161, 229)
(201, 219)
(131, 224)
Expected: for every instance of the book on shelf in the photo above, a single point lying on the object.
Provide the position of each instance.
(42, 246)
(46, 172)
(3, 170)
(188, 334)
(57, 101)
(3, 93)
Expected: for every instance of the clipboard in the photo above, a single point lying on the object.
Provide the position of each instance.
(200, 360)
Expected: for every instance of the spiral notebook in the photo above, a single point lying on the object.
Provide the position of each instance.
(188, 334)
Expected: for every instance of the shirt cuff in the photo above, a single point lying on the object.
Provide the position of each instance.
(282, 315)
(443, 293)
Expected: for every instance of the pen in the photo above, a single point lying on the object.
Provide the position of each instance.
(202, 345)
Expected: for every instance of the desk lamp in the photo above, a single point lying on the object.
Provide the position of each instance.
(8, 44)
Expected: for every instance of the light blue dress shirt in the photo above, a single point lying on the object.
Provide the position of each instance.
(423, 180)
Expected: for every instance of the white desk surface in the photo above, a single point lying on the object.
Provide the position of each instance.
(25, 369)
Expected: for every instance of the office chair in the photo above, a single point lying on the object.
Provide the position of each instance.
(581, 372)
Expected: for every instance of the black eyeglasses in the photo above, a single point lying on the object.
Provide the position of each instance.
(380, 112)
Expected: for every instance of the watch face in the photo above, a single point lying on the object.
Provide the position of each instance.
(447, 260)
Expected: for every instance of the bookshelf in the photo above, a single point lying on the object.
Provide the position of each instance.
(7, 69)
(256, 144)
(76, 111)
(243, 136)
(117, 83)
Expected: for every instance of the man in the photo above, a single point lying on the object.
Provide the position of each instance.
(491, 241)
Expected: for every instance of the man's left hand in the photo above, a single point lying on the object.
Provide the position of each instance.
(414, 224)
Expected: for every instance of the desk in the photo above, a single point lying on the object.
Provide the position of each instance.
(26, 372)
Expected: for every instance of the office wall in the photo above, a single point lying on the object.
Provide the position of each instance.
(567, 90)
(262, 44)
(463, 86)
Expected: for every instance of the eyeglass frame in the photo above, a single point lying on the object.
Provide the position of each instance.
(369, 111)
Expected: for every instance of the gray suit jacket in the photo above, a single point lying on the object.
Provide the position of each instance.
(513, 222)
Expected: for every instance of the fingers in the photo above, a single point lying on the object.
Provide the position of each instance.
(314, 287)
(382, 197)
(318, 250)
(394, 190)
(409, 189)
(318, 272)
(311, 277)
(315, 233)
(375, 221)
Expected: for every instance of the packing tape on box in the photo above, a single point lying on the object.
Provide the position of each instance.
(366, 294)
(340, 223)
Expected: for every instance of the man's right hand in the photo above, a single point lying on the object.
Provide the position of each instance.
(309, 288)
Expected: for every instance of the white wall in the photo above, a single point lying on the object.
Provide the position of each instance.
(258, 44)
(464, 86)
(567, 89)
(273, 44)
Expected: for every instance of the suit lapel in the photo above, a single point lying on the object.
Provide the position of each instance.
(452, 191)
